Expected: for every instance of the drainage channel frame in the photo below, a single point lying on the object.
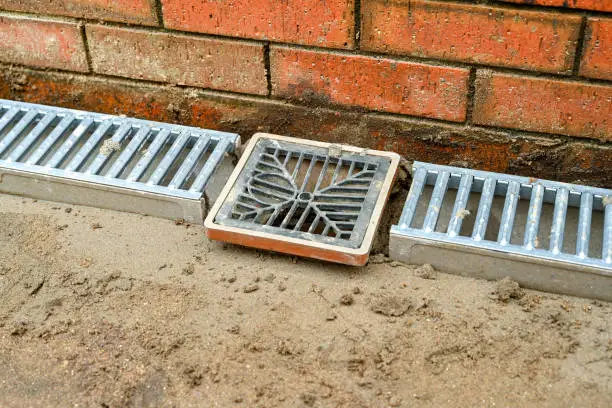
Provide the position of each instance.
(16, 173)
(547, 269)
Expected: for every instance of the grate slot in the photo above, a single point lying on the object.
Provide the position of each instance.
(606, 252)
(7, 119)
(189, 163)
(204, 176)
(507, 222)
(19, 151)
(416, 189)
(84, 152)
(128, 152)
(484, 209)
(61, 153)
(23, 123)
(164, 166)
(102, 158)
(584, 225)
(559, 221)
(533, 217)
(459, 209)
(143, 164)
(435, 203)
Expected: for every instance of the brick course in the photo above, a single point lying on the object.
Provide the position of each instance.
(543, 105)
(485, 35)
(178, 59)
(42, 43)
(126, 11)
(597, 53)
(374, 83)
(598, 5)
(327, 23)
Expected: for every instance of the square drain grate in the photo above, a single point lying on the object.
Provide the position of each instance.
(110, 161)
(305, 198)
(546, 235)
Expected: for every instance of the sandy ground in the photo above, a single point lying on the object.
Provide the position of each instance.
(104, 309)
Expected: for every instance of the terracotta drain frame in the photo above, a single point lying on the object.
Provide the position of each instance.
(295, 246)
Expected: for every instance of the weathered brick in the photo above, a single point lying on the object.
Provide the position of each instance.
(598, 5)
(126, 11)
(479, 148)
(322, 23)
(178, 59)
(597, 51)
(373, 83)
(543, 105)
(42, 43)
(486, 35)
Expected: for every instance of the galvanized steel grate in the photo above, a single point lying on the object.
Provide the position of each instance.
(308, 191)
(537, 220)
(149, 157)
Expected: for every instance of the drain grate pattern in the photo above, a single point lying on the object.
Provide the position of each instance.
(531, 221)
(308, 191)
(117, 152)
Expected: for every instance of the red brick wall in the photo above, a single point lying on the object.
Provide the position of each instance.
(519, 86)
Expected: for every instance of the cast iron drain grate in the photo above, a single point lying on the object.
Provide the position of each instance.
(546, 235)
(110, 161)
(306, 198)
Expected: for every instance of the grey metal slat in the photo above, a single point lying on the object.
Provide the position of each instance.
(8, 117)
(69, 143)
(30, 139)
(606, 251)
(78, 159)
(507, 222)
(100, 159)
(128, 152)
(190, 161)
(207, 170)
(435, 203)
(418, 182)
(147, 158)
(50, 140)
(533, 217)
(557, 230)
(484, 209)
(584, 225)
(164, 165)
(8, 139)
(463, 194)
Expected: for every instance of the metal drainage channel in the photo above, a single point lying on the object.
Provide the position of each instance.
(108, 161)
(547, 235)
(314, 193)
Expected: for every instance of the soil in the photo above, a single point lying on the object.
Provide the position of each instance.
(145, 312)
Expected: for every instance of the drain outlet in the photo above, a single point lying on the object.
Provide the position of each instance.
(305, 198)
(110, 161)
(546, 235)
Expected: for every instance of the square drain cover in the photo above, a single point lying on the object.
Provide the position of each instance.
(305, 198)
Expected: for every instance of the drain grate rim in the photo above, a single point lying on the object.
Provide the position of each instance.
(369, 195)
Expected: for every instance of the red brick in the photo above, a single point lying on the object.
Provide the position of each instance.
(313, 22)
(480, 148)
(485, 35)
(597, 52)
(543, 105)
(42, 43)
(125, 11)
(373, 83)
(599, 5)
(178, 59)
